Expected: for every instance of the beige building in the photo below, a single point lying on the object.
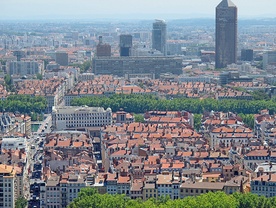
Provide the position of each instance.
(8, 188)
(53, 194)
(149, 191)
(196, 188)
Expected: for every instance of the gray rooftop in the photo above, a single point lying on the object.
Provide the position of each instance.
(226, 3)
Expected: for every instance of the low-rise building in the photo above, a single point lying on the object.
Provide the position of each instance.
(13, 143)
(265, 185)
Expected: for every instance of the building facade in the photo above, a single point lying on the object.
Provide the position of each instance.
(269, 58)
(125, 45)
(264, 185)
(121, 66)
(103, 49)
(8, 187)
(247, 55)
(62, 58)
(80, 117)
(226, 33)
(159, 36)
(23, 68)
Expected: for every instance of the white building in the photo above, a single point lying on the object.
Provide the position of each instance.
(13, 143)
(25, 67)
(204, 79)
(80, 117)
(86, 76)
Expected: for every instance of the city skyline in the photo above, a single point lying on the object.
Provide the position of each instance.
(123, 9)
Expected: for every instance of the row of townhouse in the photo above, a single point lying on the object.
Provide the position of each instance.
(167, 184)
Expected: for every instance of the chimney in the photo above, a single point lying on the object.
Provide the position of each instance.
(261, 171)
(172, 175)
(210, 166)
(20, 154)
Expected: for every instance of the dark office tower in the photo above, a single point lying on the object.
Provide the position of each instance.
(226, 33)
(159, 36)
(62, 58)
(125, 45)
(247, 55)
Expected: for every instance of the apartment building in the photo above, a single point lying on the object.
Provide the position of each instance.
(254, 157)
(137, 65)
(62, 190)
(69, 117)
(53, 194)
(265, 185)
(8, 188)
(23, 68)
(111, 184)
(164, 185)
(149, 191)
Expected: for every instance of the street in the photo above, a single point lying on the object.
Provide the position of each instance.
(33, 169)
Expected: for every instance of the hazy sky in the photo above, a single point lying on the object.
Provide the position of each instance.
(128, 9)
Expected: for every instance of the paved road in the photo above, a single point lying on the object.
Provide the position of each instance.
(34, 156)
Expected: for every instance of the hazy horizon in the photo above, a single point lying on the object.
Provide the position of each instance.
(127, 9)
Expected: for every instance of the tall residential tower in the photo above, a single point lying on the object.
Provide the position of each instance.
(226, 33)
(159, 36)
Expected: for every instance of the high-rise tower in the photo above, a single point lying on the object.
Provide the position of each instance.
(159, 36)
(226, 33)
(125, 45)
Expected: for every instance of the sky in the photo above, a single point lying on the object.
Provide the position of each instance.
(128, 9)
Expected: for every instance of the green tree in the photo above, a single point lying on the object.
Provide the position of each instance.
(24, 104)
(139, 118)
(248, 119)
(84, 67)
(8, 82)
(21, 202)
(3, 62)
(141, 103)
(197, 121)
(260, 95)
(39, 76)
(46, 62)
(89, 197)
